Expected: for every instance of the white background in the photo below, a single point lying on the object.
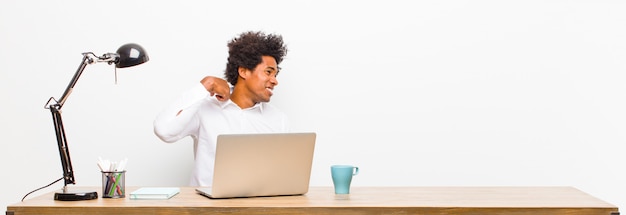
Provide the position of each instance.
(416, 93)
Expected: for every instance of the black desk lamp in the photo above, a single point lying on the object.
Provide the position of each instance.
(126, 56)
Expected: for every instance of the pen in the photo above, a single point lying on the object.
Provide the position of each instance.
(114, 184)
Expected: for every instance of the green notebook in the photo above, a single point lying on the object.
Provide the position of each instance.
(154, 193)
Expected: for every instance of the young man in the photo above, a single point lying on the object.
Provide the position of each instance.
(212, 107)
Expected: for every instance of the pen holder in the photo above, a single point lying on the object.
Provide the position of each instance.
(114, 184)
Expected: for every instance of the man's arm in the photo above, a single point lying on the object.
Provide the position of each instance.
(171, 124)
(179, 120)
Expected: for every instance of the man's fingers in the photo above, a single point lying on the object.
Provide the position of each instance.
(221, 97)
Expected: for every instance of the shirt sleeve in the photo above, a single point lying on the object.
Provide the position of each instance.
(170, 126)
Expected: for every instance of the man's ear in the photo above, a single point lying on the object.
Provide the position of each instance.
(243, 72)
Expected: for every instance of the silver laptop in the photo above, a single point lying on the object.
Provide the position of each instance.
(268, 164)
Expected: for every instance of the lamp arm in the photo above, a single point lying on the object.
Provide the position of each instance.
(64, 151)
(55, 110)
(79, 72)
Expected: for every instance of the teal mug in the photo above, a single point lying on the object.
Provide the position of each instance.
(342, 177)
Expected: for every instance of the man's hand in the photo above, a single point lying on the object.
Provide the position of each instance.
(217, 86)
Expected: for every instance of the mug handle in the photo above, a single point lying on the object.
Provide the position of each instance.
(356, 171)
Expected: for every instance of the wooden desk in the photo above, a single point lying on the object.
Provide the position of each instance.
(363, 200)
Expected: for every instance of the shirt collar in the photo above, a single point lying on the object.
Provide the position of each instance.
(229, 102)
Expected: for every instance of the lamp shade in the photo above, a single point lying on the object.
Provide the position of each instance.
(131, 54)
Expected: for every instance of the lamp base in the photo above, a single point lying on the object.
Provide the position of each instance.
(75, 196)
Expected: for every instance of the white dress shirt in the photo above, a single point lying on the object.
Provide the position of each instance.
(203, 117)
